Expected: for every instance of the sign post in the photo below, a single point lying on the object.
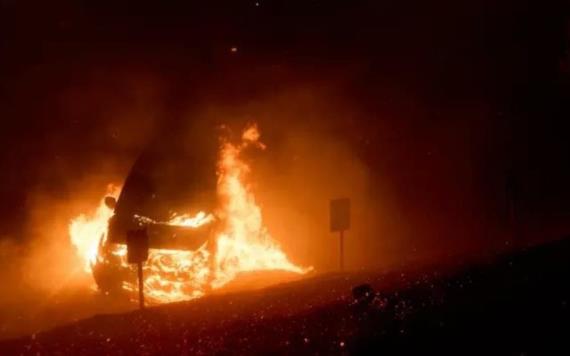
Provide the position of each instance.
(340, 221)
(137, 252)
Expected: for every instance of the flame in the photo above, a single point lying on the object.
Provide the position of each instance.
(245, 244)
(86, 231)
(242, 245)
(191, 221)
(186, 220)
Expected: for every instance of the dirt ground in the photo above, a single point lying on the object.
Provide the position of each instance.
(515, 304)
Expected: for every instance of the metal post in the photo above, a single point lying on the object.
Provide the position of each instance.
(341, 250)
(141, 288)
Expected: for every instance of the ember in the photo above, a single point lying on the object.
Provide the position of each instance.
(242, 245)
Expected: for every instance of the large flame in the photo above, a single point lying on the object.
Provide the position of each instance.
(243, 245)
(87, 230)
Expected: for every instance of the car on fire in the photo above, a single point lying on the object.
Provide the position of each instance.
(175, 173)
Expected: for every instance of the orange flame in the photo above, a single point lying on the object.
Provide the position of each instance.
(86, 231)
(243, 245)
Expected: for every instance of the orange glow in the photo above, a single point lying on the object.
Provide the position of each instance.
(86, 231)
(245, 244)
(191, 221)
(242, 245)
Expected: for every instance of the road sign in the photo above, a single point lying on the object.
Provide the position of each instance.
(137, 252)
(340, 214)
(340, 221)
(137, 246)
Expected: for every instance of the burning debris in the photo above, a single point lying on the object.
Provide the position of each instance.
(233, 239)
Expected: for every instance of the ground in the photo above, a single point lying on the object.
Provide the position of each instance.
(512, 304)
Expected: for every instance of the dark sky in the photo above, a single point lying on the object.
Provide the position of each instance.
(442, 100)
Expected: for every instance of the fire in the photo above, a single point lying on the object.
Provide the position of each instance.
(242, 245)
(191, 221)
(86, 231)
(245, 244)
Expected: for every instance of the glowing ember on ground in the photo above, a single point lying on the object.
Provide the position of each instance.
(243, 245)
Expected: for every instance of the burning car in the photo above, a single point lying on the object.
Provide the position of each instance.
(203, 222)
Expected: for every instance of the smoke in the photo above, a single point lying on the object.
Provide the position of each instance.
(109, 117)
(310, 164)
(91, 132)
(417, 190)
(51, 264)
(309, 159)
(45, 282)
(9, 264)
(320, 145)
(311, 170)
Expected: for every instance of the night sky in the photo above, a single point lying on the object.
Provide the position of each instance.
(444, 102)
